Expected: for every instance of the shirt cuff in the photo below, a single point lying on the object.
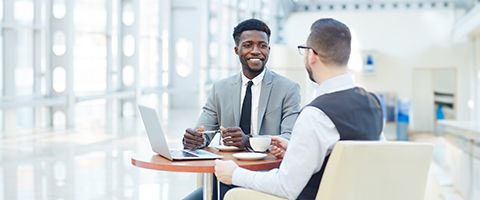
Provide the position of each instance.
(241, 176)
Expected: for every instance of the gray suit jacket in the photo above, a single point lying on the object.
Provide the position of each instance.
(278, 106)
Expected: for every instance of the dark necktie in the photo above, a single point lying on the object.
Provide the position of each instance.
(246, 109)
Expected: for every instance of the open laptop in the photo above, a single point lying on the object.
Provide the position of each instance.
(159, 143)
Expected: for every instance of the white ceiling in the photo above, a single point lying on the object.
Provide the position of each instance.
(466, 4)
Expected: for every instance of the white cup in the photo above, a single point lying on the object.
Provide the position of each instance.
(260, 143)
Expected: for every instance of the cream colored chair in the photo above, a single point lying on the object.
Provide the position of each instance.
(364, 170)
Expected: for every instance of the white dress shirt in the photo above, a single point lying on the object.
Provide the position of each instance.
(256, 88)
(313, 137)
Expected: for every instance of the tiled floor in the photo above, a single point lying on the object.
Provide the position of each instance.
(95, 164)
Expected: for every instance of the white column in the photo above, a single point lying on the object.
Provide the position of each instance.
(184, 65)
(9, 63)
(128, 57)
(112, 6)
(204, 51)
(476, 83)
(37, 57)
(61, 60)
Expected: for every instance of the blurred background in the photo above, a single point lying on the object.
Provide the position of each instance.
(73, 72)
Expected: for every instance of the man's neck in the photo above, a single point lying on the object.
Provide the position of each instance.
(251, 75)
(330, 72)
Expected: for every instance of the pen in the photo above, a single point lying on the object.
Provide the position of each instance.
(210, 132)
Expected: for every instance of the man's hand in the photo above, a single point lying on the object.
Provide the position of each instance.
(193, 139)
(279, 146)
(224, 170)
(234, 137)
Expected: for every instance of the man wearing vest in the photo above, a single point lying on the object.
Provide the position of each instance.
(341, 111)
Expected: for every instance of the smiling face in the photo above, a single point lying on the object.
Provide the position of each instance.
(253, 50)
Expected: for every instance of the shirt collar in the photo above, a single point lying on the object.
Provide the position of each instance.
(335, 84)
(255, 80)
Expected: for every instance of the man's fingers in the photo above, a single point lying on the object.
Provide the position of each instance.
(279, 142)
(237, 143)
(231, 140)
(192, 143)
(233, 134)
(191, 137)
(194, 140)
(275, 150)
(200, 129)
(188, 145)
(192, 132)
(233, 129)
(278, 155)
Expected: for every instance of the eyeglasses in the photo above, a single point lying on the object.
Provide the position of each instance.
(302, 49)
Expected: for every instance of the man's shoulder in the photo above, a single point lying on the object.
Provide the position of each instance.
(280, 79)
(226, 81)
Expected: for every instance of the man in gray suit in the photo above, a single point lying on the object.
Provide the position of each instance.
(274, 103)
(256, 101)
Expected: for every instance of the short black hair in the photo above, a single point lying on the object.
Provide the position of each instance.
(331, 40)
(248, 25)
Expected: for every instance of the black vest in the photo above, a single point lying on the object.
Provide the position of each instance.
(357, 115)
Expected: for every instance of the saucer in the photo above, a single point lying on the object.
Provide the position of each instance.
(227, 148)
(249, 156)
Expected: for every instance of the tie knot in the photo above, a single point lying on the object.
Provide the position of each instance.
(249, 84)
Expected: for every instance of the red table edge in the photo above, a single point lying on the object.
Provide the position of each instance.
(203, 169)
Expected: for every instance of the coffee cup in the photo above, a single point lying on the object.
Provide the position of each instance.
(260, 143)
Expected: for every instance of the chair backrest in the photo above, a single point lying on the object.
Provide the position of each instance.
(364, 170)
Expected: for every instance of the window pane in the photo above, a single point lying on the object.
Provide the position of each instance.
(25, 117)
(24, 70)
(90, 16)
(24, 75)
(149, 43)
(90, 114)
(1, 12)
(89, 60)
(24, 11)
(1, 65)
(59, 9)
(148, 62)
(89, 63)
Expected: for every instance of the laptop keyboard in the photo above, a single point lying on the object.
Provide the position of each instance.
(188, 154)
(182, 153)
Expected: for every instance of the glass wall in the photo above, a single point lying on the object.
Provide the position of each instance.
(224, 15)
(95, 78)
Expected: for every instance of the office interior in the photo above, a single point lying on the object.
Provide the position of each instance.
(73, 72)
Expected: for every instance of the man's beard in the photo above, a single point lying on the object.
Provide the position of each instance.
(253, 70)
(310, 73)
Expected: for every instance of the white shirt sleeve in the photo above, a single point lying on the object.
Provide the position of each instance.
(382, 137)
(313, 136)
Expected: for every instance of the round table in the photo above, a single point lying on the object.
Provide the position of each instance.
(156, 162)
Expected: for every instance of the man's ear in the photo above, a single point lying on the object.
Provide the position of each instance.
(312, 58)
(236, 50)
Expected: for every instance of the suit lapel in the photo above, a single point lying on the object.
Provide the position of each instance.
(264, 96)
(236, 90)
